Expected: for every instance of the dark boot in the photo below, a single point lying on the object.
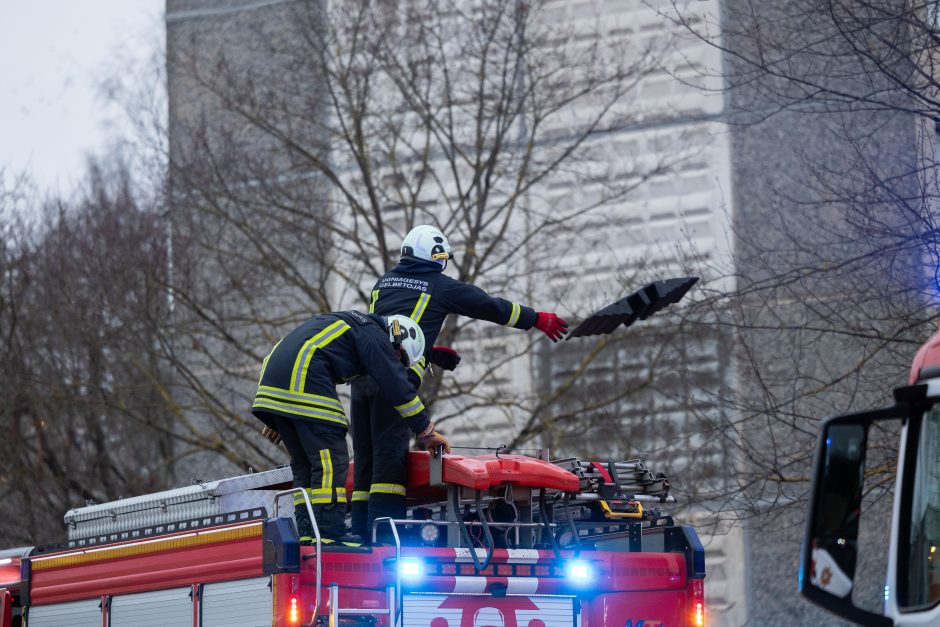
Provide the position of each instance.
(360, 520)
(331, 520)
(304, 526)
(383, 505)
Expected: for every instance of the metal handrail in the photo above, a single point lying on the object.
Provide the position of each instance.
(398, 595)
(316, 533)
(470, 523)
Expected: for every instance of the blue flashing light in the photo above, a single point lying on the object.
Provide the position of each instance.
(411, 568)
(579, 571)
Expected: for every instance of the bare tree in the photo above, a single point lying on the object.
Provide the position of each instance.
(83, 396)
(305, 144)
(831, 107)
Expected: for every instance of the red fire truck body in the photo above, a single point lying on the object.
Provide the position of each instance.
(563, 560)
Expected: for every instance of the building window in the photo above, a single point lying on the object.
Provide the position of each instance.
(933, 14)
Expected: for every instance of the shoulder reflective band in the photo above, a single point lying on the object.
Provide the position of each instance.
(375, 297)
(264, 363)
(420, 306)
(321, 339)
(514, 315)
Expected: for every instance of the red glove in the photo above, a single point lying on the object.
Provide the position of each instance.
(551, 325)
(445, 357)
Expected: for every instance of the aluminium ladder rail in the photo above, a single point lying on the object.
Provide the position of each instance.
(316, 533)
(394, 594)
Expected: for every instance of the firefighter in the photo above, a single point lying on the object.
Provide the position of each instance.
(297, 402)
(419, 289)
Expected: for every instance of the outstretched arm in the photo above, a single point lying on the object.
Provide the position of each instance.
(469, 300)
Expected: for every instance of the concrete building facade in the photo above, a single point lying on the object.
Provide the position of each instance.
(708, 184)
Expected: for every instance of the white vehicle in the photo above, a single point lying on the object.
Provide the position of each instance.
(828, 572)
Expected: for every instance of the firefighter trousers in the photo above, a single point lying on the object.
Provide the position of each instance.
(319, 462)
(381, 438)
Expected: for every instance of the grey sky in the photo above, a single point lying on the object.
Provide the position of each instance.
(54, 55)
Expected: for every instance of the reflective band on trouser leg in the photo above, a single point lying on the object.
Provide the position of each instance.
(411, 408)
(420, 306)
(388, 488)
(305, 356)
(514, 315)
(326, 483)
(360, 495)
(318, 496)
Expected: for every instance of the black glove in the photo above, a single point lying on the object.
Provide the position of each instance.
(445, 357)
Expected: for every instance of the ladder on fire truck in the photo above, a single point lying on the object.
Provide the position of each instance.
(335, 611)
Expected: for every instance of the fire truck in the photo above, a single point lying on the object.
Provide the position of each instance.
(860, 449)
(496, 540)
(503, 540)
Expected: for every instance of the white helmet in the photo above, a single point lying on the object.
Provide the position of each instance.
(428, 243)
(405, 333)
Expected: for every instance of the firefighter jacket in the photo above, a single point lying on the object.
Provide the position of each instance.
(300, 374)
(420, 290)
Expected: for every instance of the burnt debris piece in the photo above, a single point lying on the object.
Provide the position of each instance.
(639, 305)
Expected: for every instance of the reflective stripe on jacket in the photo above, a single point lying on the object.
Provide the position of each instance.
(420, 290)
(299, 376)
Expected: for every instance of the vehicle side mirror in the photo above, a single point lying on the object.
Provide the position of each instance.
(830, 545)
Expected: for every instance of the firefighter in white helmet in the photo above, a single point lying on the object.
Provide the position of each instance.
(418, 289)
(297, 402)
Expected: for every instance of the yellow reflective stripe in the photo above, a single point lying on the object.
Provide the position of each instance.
(514, 316)
(316, 496)
(375, 297)
(315, 500)
(305, 356)
(320, 495)
(409, 409)
(388, 488)
(360, 495)
(148, 547)
(300, 410)
(327, 463)
(289, 397)
(420, 306)
(419, 367)
(264, 362)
